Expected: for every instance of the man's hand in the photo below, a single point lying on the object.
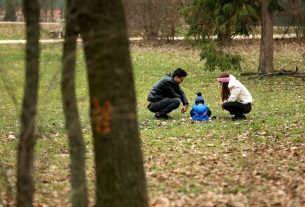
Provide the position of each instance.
(184, 109)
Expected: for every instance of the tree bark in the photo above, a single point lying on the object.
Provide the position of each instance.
(120, 178)
(25, 186)
(73, 126)
(266, 44)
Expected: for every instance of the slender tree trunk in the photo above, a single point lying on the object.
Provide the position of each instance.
(120, 178)
(52, 10)
(73, 126)
(10, 11)
(25, 186)
(266, 45)
(44, 12)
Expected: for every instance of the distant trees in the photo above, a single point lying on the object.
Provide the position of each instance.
(292, 17)
(207, 18)
(228, 18)
(50, 7)
(221, 18)
(153, 18)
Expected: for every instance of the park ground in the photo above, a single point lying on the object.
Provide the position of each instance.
(256, 162)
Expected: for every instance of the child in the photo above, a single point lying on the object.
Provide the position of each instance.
(200, 111)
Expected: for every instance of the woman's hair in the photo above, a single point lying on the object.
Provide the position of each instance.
(225, 92)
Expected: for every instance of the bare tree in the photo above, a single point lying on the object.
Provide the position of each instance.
(120, 178)
(266, 45)
(150, 32)
(153, 18)
(73, 126)
(161, 18)
(25, 186)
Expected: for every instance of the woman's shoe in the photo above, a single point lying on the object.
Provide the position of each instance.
(239, 117)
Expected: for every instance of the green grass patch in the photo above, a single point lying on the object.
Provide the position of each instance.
(16, 31)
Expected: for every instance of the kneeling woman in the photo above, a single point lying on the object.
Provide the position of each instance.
(235, 96)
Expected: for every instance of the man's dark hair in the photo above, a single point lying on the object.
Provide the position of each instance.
(179, 73)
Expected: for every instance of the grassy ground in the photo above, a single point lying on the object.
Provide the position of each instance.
(257, 162)
(17, 31)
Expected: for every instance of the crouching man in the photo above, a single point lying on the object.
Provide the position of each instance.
(166, 95)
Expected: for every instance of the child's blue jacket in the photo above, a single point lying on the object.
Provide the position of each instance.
(199, 112)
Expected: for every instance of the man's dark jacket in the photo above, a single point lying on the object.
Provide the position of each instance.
(166, 87)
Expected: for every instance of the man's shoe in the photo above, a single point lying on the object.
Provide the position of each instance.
(161, 116)
(166, 116)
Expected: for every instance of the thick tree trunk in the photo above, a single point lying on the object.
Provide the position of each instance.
(266, 45)
(25, 186)
(225, 37)
(73, 126)
(120, 178)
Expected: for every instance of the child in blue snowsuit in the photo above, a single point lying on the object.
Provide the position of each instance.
(200, 111)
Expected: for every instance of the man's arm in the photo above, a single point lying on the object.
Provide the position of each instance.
(174, 93)
(183, 97)
(169, 88)
(184, 108)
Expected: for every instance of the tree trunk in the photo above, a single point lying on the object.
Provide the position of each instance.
(73, 126)
(120, 178)
(25, 186)
(224, 38)
(10, 11)
(266, 45)
(52, 10)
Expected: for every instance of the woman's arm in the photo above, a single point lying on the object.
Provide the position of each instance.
(234, 94)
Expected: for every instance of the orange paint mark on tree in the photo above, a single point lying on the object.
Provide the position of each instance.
(132, 115)
(102, 116)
